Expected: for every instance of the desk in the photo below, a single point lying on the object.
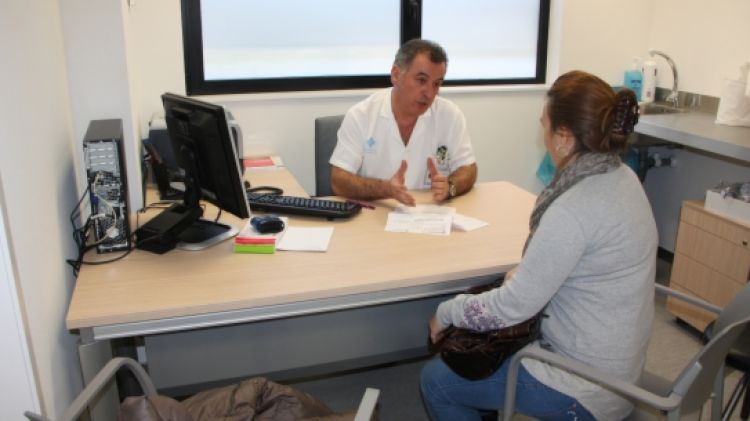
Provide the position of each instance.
(148, 294)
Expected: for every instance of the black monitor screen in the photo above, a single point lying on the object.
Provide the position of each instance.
(205, 152)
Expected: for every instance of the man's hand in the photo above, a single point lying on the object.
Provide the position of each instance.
(439, 184)
(436, 331)
(398, 187)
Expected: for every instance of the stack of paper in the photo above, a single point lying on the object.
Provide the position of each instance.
(251, 241)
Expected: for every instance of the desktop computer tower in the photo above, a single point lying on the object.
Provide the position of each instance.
(104, 159)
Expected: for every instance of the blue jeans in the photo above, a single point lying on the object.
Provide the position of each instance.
(450, 397)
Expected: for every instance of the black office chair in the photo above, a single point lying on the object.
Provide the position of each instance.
(326, 136)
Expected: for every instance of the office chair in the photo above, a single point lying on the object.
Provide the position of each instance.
(655, 397)
(91, 392)
(739, 359)
(326, 136)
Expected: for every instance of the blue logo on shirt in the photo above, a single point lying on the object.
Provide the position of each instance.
(370, 145)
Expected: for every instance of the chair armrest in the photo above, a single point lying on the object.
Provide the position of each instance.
(32, 416)
(606, 380)
(367, 405)
(102, 378)
(688, 298)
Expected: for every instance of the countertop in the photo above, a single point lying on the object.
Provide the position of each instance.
(698, 130)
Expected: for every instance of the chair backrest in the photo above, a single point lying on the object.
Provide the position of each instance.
(737, 309)
(326, 136)
(696, 382)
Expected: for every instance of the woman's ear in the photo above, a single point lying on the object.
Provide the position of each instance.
(564, 140)
(563, 132)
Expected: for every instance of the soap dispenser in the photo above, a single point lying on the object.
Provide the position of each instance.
(634, 78)
(649, 80)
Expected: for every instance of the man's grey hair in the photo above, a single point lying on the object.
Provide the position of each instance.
(405, 55)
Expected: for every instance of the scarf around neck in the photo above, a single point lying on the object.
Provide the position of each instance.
(586, 164)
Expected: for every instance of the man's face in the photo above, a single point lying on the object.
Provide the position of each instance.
(415, 87)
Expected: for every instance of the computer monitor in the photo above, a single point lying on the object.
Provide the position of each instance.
(165, 172)
(205, 152)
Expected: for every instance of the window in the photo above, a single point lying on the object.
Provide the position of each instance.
(234, 46)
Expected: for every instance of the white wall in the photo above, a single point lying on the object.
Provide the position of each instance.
(18, 383)
(99, 76)
(708, 42)
(39, 181)
(601, 37)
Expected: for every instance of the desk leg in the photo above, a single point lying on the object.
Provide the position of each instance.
(93, 355)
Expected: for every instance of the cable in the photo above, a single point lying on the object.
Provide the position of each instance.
(77, 209)
(266, 190)
(80, 234)
(111, 231)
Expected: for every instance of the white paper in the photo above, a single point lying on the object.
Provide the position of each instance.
(305, 239)
(423, 209)
(421, 219)
(467, 223)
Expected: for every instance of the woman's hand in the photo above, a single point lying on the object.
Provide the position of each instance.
(509, 274)
(436, 331)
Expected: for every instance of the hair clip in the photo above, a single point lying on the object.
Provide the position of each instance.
(626, 116)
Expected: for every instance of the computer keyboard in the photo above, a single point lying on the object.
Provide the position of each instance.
(301, 205)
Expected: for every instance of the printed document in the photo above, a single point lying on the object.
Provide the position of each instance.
(421, 219)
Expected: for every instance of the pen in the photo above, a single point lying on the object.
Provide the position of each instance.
(361, 203)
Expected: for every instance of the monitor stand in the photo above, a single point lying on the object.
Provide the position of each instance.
(202, 234)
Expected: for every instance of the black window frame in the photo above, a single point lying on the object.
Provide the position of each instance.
(411, 27)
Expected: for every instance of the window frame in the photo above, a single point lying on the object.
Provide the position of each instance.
(410, 27)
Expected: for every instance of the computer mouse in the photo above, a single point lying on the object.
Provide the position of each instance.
(267, 224)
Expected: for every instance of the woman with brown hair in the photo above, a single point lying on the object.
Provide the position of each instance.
(589, 263)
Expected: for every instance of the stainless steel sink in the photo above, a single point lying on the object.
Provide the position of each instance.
(655, 108)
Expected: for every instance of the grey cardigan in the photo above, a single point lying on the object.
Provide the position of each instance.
(592, 261)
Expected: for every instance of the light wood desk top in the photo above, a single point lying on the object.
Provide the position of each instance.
(362, 259)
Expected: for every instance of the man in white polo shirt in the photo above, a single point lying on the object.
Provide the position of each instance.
(405, 137)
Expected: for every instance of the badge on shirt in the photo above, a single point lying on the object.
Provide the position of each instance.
(371, 146)
(443, 160)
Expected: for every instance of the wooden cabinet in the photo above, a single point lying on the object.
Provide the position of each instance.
(711, 261)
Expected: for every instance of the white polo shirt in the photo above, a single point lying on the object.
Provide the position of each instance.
(369, 143)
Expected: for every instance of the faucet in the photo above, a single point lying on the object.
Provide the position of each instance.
(673, 97)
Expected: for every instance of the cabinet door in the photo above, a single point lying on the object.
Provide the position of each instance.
(719, 243)
(697, 279)
(711, 261)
